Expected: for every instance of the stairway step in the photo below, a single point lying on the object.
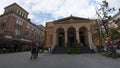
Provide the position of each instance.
(59, 50)
(63, 50)
(85, 49)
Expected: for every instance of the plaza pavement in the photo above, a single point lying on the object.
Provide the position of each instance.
(22, 60)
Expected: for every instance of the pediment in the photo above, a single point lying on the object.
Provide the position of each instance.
(71, 19)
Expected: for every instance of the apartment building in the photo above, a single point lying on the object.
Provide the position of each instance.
(16, 28)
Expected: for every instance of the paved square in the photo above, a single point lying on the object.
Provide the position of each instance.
(21, 60)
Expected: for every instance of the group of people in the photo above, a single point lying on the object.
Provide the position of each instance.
(110, 46)
(35, 50)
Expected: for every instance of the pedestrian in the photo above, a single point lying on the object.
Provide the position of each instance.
(49, 50)
(91, 48)
(37, 49)
(33, 52)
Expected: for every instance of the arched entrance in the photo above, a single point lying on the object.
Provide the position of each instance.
(61, 37)
(71, 33)
(83, 36)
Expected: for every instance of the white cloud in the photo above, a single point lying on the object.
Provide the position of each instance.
(58, 8)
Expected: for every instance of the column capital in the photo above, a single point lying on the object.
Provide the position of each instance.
(65, 30)
(77, 29)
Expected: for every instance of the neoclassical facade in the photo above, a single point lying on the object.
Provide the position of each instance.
(70, 30)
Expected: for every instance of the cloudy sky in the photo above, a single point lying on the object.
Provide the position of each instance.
(42, 11)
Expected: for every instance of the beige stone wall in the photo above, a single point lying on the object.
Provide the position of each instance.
(95, 33)
(49, 30)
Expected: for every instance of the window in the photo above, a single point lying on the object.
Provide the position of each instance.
(28, 26)
(33, 29)
(5, 20)
(17, 32)
(19, 22)
(10, 9)
(6, 10)
(22, 14)
(27, 34)
(25, 15)
(17, 11)
(3, 26)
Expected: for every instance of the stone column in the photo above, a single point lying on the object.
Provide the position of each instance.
(89, 36)
(66, 38)
(77, 36)
(54, 39)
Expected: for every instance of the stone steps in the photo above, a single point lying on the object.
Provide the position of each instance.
(86, 49)
(59, 50)
(63, 50)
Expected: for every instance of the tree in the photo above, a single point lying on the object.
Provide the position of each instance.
(104, 14)
(114, 33)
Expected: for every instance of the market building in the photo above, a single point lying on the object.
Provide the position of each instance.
(71, 30)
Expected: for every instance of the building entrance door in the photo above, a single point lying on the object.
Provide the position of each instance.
(61, 40)
(60, 37)
(71, 34)
(71, 39)
(82, 38)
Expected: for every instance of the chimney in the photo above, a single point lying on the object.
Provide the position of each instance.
(28, 19)
(119, 9)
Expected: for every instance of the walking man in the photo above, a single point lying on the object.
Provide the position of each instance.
(33, 52)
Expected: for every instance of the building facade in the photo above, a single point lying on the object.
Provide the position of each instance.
(42, 33)
(114, 19)
(16, 26)
(71, 30)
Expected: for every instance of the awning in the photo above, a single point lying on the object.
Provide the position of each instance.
(15, 41)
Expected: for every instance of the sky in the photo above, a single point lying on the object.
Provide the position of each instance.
(42, 11)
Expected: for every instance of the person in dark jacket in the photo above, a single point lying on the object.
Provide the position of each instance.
(37, 49)
(33, 52)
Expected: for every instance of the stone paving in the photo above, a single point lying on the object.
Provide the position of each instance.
(22, 60)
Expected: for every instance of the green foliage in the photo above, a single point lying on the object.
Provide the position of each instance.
(100, 48)
(105, 10)
(104, 13)
(107, 54)
(73, 50)
(117, 21)
(118, 28)
(105, 3)
(114, 34)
